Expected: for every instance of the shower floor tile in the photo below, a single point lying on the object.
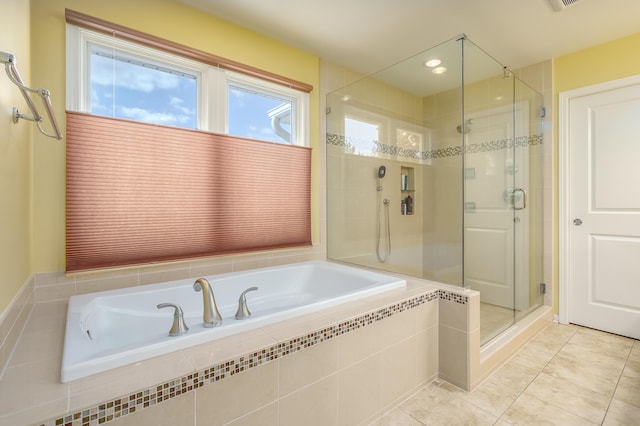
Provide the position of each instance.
(494, 320)
(566, 375)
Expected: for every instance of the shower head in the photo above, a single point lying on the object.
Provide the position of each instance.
(382, 170)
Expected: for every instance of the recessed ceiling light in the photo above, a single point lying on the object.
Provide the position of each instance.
(439, 70)
(346, 98)
(432, 63)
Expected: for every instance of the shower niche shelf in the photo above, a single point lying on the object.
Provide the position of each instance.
(407, 189)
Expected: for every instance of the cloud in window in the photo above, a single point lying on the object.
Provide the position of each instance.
(141, 114)
(131, 76)
(178, 104)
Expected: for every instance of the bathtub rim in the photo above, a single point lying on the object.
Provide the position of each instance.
(76, 304)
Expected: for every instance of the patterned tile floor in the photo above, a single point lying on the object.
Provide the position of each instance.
(566, 375)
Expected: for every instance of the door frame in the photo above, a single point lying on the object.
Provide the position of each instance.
(564, 227)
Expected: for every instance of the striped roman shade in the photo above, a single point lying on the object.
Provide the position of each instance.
(140, 193)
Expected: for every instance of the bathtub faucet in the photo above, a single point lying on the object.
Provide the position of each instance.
(211, 316)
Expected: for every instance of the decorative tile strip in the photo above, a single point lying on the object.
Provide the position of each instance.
(451, 151)
(136, 401)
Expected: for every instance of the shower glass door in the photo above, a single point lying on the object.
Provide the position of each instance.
(496, 128)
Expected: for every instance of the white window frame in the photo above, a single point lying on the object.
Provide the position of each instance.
(212, 82)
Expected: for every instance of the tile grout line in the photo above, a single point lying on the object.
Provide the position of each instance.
(613, 394)
(537, 374)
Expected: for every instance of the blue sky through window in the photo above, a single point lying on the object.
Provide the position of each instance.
(249, 115)
(138, 91)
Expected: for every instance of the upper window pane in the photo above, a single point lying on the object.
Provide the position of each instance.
(261, 115)
(133, 88)
(361, 136)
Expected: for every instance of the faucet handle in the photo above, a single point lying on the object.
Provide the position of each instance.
(243, 311)
(179, 327)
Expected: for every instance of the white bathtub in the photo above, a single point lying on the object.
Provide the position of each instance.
(110, 329)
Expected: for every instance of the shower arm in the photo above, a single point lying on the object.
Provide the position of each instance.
(9, 61)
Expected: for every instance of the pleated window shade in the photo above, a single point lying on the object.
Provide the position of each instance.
(140, 193)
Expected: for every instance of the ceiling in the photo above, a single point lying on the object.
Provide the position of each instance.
(369, 35)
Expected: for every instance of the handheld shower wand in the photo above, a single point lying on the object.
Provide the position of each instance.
(382, 171)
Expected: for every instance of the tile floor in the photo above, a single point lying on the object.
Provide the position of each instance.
(566, 375)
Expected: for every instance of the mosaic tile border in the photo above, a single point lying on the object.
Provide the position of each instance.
(452, 151)
(139, 400)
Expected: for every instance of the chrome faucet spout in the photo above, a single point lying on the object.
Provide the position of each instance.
(211, 316)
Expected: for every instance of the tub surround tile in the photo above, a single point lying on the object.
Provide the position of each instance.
(265, 416)
(84, 286)
(244, 392)
(153, 277)
(38, 345)
(360, 391)
(316, 404)
(176, 411)
(28, 414)
(86, 390)
(113, 384)
(304, 324)
(399, 371)
(232, 347)
(39, 385)
(452, 356)
(13, 319)
(427, 355)
(306, 367)
(55, 292)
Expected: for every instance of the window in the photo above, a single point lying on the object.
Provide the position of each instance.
(203, 182)
(116, 78)
(261, 114)
(127, 86)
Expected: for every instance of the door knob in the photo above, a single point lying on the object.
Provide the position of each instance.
(577, 222)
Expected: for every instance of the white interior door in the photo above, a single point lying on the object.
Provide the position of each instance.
(496, 235)
(602, 215)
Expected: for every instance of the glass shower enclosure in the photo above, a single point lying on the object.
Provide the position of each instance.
(434, 169)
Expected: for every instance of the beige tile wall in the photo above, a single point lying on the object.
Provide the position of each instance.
(13, 319)
(371, 367)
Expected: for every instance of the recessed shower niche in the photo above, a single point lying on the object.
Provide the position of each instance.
(452, 136)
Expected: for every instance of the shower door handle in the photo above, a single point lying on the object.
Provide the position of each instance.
(524, 199)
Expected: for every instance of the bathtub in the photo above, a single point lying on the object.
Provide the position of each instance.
(109, 329)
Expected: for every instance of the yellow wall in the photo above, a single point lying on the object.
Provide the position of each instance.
(168, 19)
(605, 62)
(15, 149)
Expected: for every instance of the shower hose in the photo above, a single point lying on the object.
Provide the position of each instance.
(385, 206)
